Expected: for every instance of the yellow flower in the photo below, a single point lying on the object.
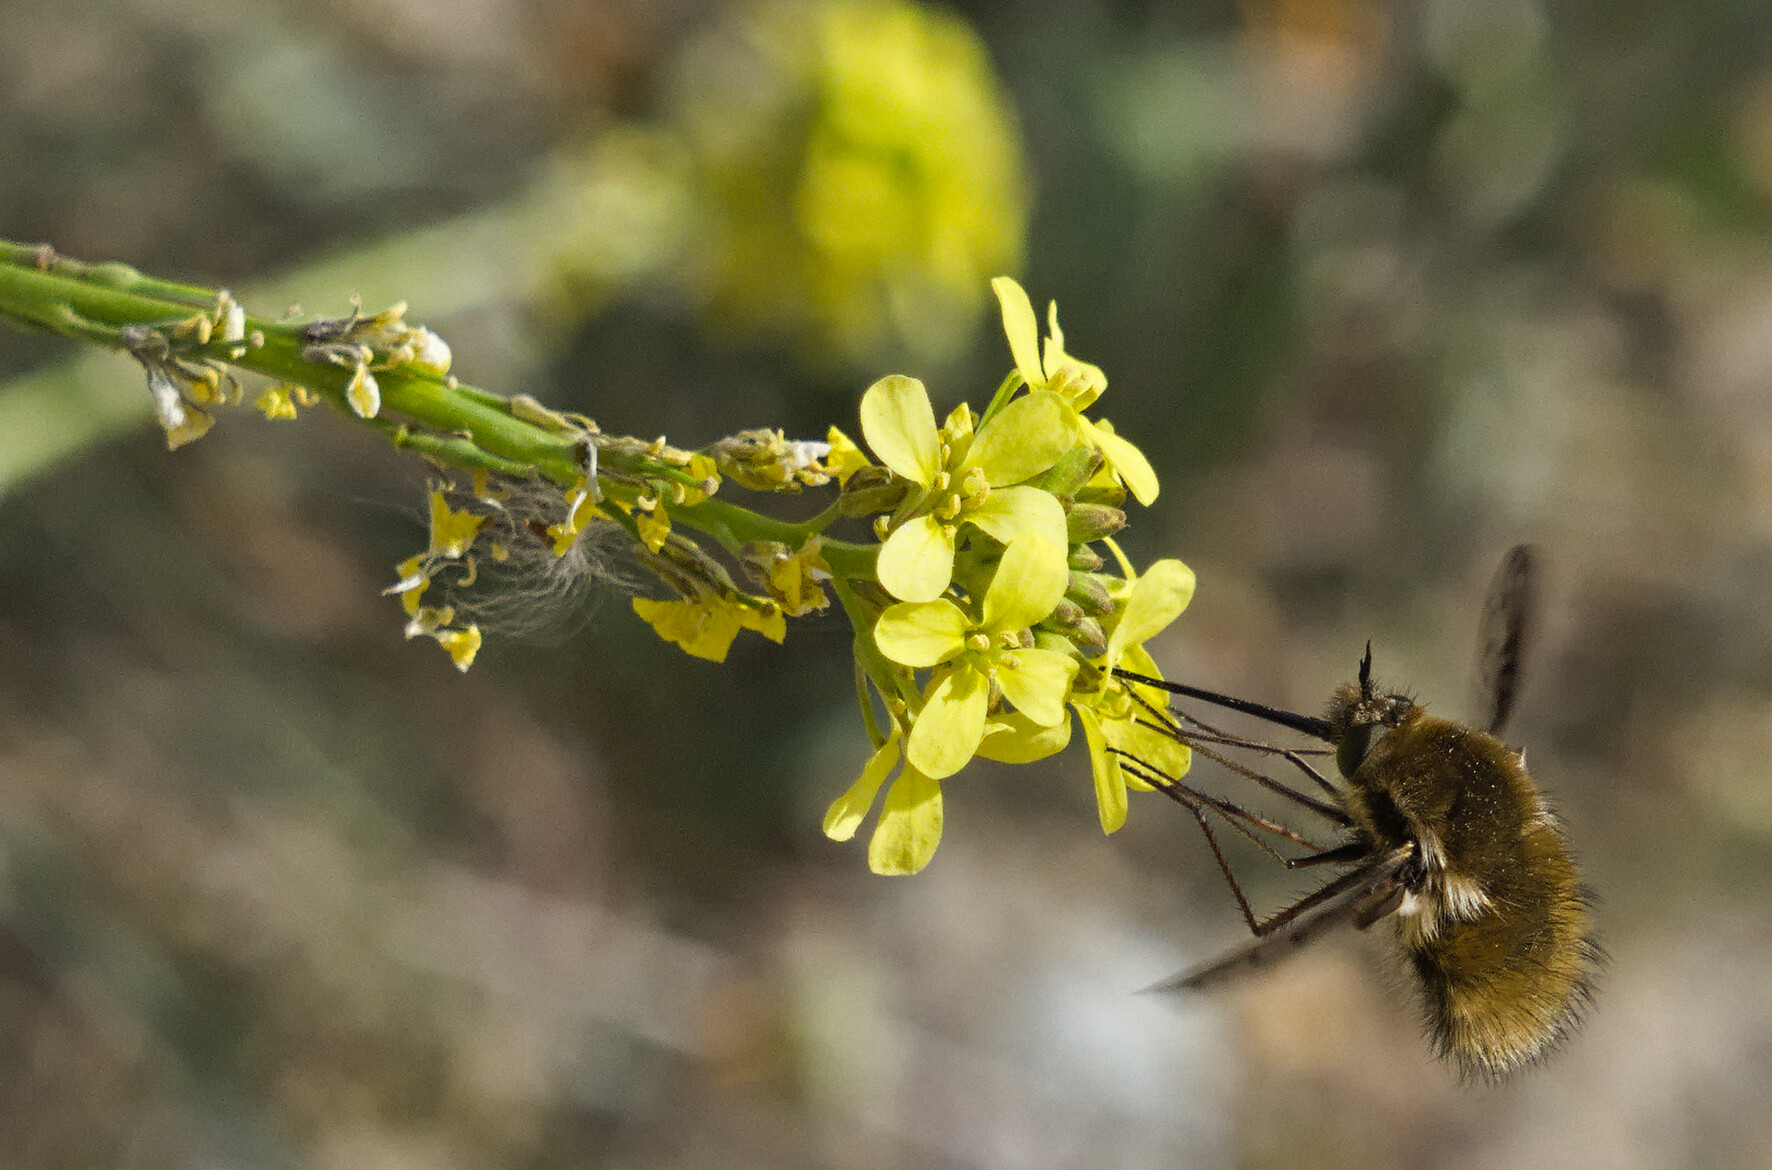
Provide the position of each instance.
(704, 628)
(1111, 716)
(766, 460)
(654, 525)
(859, 179)
(414, 580)
(581, 509)
(462, 645)
(363, 392)
(965, 478)
(182, 421)
(795, 578)
(969, 656)
(1078, 383)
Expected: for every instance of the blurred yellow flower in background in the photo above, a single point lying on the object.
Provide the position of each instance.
(860, 174)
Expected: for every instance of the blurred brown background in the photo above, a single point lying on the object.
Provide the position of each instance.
(1381, 287)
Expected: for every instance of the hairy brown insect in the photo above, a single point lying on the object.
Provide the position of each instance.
(1444, 833)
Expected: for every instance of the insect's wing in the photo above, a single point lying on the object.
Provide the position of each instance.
(1506, 629)
(1378, 892)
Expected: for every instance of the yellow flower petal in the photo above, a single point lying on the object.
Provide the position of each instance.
(412, 583)
(922, 633)
(700, 628)
(848, 811)
(1110, 786)
(1160, 754)
(275, 402)
(1158, 597)
(1009, 512)
(1030, 579)
(770, 621)
(581, 509)
(917, 561)
(795, 579)
(1020, 326)
(899, 424)
(1037, 683)
(845, 458)
(1013, 738)
(910, 825)
(653, 526)
(452, 532)
(951, 724)
(1025, 438)
(461, 644)
(1128, 461)
(364, 393)
(1080, 382)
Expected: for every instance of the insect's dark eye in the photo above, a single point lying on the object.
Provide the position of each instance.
(1355, 743)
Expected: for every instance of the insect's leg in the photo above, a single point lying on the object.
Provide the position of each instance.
(1323, 782)
(1172, 721)
(1198, 809)
(1352, 851)
(1377, 906)
(1328, 812)
(1345, 882)
(1225, 868)
(1167, 726)
(1292, 755)
(1235, 815)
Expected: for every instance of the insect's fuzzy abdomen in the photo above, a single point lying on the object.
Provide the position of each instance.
(1507, 989)
(1499, 937)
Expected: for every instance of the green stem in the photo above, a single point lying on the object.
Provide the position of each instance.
(888, 676)
(449, 421)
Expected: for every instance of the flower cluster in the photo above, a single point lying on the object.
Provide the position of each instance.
(365, 345)
(998, 622)
(510, 540)
(985, 616)
(187, 362)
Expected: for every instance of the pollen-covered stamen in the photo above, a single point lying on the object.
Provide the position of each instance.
(974, 487)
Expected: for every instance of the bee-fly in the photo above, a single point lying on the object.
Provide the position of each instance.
(1443, 832)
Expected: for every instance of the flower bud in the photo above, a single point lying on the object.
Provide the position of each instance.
(872, 489)
(1078, 628)
(1085, 559)
(1087, 591)
(1074, 468)
(1103, 492)
(1087, 522)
